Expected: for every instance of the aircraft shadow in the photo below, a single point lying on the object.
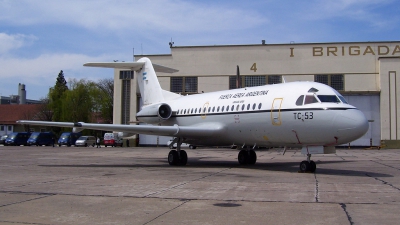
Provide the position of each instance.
(290, 167)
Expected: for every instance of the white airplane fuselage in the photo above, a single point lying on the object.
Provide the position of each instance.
(268, 116)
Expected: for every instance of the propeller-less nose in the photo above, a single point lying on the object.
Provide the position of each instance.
(350, 125)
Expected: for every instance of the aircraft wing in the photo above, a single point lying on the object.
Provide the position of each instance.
(201, 130)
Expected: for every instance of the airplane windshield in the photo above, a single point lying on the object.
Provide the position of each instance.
(329, 98)
(342, 99)
(310, 99)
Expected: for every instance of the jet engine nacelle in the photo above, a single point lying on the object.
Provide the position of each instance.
(155, 114)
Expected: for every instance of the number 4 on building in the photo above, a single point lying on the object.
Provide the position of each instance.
(254, 67)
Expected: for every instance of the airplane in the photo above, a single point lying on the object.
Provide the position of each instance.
(307, 115)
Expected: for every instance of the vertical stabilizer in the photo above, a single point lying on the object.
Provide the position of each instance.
(149, 86)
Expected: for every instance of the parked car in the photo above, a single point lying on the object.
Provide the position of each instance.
(85, 141)
(17, 138)
(68, 138)
(41, 138)
(183, 145)
(3, 139)
(112, 139)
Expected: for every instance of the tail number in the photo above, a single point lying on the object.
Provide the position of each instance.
(303, 115)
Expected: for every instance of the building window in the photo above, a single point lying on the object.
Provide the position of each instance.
(126, 74)
(274, 79)
(10, 128)
(1, 128)
(233, 82)
(336, 81)
(184, 85)
(252, 81)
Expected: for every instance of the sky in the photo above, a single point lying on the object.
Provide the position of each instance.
(38, 38)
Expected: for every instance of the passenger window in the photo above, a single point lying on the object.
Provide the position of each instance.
(191, 111)
(209, 109)
(248, 106)
(254, 106)
(222, 109)
(300, 100)
(259, 106)
(195, 111)
(310, 99)
(184, 112)
(218, 109)
(237, 108)
(233, 107)
(227, 108)
(242, 107)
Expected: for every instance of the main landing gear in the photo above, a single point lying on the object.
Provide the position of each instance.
(247, 157)
(177, 157)
(308, 165)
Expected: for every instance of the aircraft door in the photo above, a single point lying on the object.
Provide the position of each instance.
(276, 112)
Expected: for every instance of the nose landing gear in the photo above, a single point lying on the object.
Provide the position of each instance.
(308, 165)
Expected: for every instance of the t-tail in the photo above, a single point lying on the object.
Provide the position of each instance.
(149, 86)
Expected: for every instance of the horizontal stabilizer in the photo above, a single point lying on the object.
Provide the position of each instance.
(130, 65)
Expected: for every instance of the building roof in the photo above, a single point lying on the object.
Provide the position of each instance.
(9, 114)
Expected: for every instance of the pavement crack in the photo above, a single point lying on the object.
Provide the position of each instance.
(384, 182)
(316, 188)
(166, 212)
(344, 207)
(14, 203)
(385, 165)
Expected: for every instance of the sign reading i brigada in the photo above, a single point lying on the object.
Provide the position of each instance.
(353, 50)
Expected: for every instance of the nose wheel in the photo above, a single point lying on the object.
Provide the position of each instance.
(308, 165)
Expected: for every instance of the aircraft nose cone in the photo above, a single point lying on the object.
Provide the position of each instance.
(350, 125)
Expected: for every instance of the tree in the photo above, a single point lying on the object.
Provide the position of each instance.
(104, 99)
(55, 96)
(77, 103)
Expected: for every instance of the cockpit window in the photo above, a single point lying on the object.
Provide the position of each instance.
(300, 100)
(342, 99)
(329, 98)
(312, 90)
(310, 99)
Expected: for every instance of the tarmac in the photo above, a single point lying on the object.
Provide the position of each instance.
(78, 185)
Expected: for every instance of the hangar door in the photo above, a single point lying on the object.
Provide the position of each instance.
(370, 106)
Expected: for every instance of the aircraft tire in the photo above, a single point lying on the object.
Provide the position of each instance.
(173, 157)
(243, 157)
(252, 157)
(313, 166)
(183, 158)
(305, 166)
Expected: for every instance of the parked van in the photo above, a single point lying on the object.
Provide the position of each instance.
(112, 139)
(85, 141)
(41, 138)
(68, 138)
(17, 138)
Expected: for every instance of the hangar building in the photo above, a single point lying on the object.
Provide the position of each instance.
(367, 74)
